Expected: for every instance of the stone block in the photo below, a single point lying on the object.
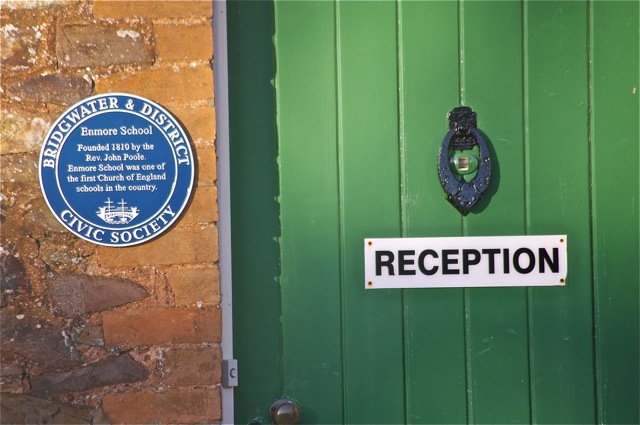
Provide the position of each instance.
(19, 168)
(10, 369)
(75, 295)
(11, 378)
(24, 409)
(191, 285)
(38, 341)
(177, 246)
(179, 406)
(52, 88)
(119, 9)
(163, 85)
(22, 131)
(184, 42)
(41, 216)
(117, 370)
(36, 4)
(18, 46)
(59, 256)
(87, 44)
(13, 274)
(88, 335)
(162, 326)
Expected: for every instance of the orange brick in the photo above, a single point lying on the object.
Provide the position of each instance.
(177, 246)
(203, 208)
(162, 326)
(190, 285)
(183, 367)
(173, 84)
(118, 9)
(207, 169)
(199, 122)
(185, 406)
(183, 42)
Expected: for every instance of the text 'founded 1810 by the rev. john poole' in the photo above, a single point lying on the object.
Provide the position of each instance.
(116, 169)
(465, 261)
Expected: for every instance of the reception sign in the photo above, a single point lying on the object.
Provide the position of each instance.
(465, 262)
(116, 169)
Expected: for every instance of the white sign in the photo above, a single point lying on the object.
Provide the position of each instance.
(465, 262)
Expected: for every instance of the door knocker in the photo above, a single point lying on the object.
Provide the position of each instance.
(464, 162)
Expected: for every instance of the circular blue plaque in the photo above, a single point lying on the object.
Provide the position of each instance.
(116, 169)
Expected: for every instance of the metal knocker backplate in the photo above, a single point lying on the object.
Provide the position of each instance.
(464, 162)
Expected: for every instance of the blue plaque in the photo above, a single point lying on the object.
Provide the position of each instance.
(116, 169)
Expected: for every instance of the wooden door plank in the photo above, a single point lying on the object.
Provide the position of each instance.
(369, 172)
(254, 187)
(310, 262)
(557, 164)
(615, 192)
(434, 318)
(497, 355)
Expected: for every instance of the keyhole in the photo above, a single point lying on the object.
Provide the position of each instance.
(463, 163)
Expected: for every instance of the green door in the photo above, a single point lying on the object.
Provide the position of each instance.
(337, 113)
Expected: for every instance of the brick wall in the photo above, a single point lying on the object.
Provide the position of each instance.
(93, 334)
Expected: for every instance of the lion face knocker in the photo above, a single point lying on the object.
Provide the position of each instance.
(464, 162)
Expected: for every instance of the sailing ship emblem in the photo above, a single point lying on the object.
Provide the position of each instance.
(118, 215)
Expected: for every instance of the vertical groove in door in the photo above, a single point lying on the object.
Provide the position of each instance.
(461, 74)
(340, 176)
(463, 222)
(594, 299)
(462, 100)
(434, 328)
(402, 148)
(497, 317)
(467, 357)
(401, 121)
(525, 115)
(527, 201)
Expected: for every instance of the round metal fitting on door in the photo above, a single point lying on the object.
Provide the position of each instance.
(284, 412)
(464, 160)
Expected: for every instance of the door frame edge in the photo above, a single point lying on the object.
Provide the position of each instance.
(221, 96)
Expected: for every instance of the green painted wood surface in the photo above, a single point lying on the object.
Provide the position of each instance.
(369, 193)
(428, 35)
(310, 278)
(557, 201)
(255, 253)
(615, 134)
(496, 318)
(363, 89)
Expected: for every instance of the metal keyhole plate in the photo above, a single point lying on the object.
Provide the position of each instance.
(464, 161)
